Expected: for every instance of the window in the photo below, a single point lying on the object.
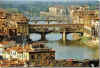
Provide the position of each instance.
(39, 56)
(32, 57)
(37, 62)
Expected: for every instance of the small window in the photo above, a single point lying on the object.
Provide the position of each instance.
(39, 56)
(32, 56)
(37, 62)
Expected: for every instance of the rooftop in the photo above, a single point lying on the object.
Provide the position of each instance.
(18, 17)
(7, 44)
(2, 14)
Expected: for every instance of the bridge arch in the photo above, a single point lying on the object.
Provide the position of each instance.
(74, 36)
(35, 36)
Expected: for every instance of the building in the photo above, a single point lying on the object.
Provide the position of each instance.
(20, 23)
(1, 49)
(43, 13)
(17, 52)
(4, 15)
(57, 11)
(13, 24)
(95, 25)
(82, 15)
(17, 27)
(42, 57)
(34, 53)
(5, 44)
(78, 13)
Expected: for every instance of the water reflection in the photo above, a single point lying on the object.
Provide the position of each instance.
(53, 36)
(63, 52)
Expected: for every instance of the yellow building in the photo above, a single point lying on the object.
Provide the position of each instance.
(20, 24)
(3, 21)
(82, 14)
(13, 24)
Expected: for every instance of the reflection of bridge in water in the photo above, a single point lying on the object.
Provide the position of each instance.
(44, 29)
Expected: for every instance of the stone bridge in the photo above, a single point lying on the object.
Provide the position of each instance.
(43, 29)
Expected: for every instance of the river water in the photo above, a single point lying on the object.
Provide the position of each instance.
(66, 51)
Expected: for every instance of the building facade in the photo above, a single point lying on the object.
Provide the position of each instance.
(4, 16)
(42, 57)
(57, 11)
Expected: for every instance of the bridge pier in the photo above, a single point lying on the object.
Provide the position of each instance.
(82, 33)
(48, 22)
(64, 35)
(43, 36)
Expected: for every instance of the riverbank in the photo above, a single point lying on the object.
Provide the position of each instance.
(83, 41)
(71, 42)
(93, 43)
(87, 40)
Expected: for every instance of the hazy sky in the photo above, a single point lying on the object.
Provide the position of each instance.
(49, 0)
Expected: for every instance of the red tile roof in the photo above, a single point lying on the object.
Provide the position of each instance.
(3, 13)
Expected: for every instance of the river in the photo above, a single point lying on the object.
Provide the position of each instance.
(67, 50)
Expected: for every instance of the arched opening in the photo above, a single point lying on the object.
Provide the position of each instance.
(53, 36)
(35, 36)
(74, 36)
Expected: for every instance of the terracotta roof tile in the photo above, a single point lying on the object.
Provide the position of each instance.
(4, 42)
(19, 17)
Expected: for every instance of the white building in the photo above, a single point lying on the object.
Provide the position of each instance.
(57, 11)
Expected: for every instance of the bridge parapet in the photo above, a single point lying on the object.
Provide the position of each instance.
(66, 27)
(57, 25)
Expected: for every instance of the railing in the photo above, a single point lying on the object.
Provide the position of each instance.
(67, 27)
(57, 25)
